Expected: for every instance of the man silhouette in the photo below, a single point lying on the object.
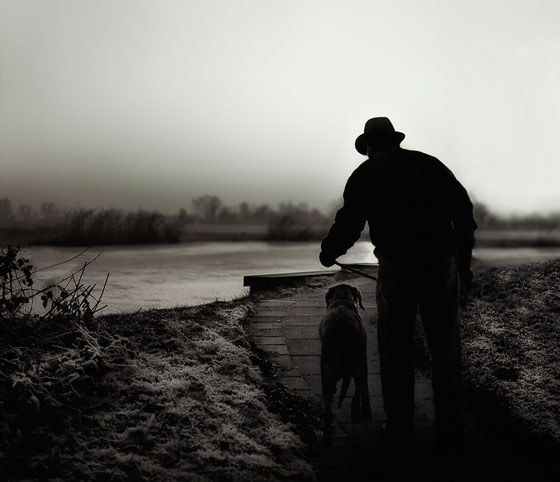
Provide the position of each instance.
(421, 223)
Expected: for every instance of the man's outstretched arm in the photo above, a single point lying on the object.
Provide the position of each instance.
(348, 223)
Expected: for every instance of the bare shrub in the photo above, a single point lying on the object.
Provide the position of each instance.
(49, 362)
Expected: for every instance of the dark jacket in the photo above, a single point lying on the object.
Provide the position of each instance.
(412, 203)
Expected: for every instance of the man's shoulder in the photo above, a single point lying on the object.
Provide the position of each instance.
(426, 160)
(418, 155)
(412, 158)
(362, 168)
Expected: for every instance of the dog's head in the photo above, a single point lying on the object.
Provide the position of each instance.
(344, 292)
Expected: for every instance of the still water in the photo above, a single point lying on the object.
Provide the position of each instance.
(163, 276)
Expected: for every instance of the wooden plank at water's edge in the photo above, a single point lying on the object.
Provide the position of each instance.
(265, 281)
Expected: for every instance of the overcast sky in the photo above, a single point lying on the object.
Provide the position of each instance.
(150, 103)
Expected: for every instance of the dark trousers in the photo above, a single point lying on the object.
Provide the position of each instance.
(430, 282)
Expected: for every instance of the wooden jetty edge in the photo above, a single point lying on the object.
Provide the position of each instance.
(269, 281)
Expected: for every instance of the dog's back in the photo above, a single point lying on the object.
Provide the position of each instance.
(342, 335)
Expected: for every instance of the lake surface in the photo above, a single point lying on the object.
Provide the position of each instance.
(163, 276)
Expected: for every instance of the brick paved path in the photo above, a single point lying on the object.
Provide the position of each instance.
(287, 329)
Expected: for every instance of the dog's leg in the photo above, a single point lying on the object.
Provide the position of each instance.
(364, 395)
(327, 391)
(361, 409)
(355, 412)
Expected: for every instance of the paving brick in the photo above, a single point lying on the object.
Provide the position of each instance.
(373, 365)
(262, 325)
(254, 332)
(307, 393)
(314, 382)
(306, 332)
(426, 406)
(269, 340)
(283, 361)
(260, 318)
(276, 303)
(306, 310)
(274, 349)
(303, 320)
(312, 303)
(304, 347)
(316, 296)
(307, 365)
(423, 388)
(288, 370)
(271, 313)
(294, 382)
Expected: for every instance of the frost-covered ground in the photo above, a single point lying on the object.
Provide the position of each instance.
(189, 405)
(511, 339)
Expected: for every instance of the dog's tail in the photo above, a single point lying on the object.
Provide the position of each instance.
(343, 389)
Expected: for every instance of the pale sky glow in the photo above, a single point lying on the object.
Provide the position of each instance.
(150, 103)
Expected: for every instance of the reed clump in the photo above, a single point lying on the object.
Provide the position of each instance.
(297, 223)
(88, 227)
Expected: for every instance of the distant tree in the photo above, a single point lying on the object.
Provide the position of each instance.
(290, 207)
(244, 210)
(49, 210)
(228, 215)
(25, 212)
(182, 215)
(207, 207)
(6, 210)
(263, 213)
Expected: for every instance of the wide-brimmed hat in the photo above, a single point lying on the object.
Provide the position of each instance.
(377, 128)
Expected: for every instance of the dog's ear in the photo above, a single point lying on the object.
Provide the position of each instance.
(357, 297)
(329, 295)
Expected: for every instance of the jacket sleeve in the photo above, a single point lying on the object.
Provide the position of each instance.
(348, 224)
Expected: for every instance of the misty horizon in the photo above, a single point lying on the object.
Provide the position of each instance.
(261, 102)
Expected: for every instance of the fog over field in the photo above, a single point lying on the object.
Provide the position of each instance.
(150, 104)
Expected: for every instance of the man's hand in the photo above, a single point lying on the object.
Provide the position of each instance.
(325, 260)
